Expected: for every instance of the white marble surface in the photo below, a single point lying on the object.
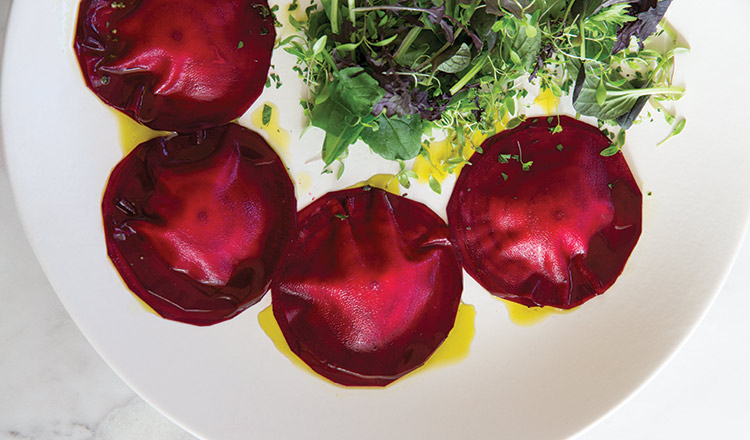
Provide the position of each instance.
(53, 385)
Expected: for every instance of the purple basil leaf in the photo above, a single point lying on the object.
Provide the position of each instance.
(649, 13)
(626, 120)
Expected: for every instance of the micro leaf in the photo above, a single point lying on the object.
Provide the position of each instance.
(435, 185)
(266, 115)
(610, 151)
(677, 129)
(458, 62)
(527, 47)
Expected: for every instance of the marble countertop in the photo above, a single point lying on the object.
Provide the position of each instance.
(53, 385)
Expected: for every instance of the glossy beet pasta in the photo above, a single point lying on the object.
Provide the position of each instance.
(197, 225)
(176, 65)
(542, 218)
(371, 286)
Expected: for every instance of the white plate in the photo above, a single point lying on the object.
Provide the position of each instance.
(228, 381)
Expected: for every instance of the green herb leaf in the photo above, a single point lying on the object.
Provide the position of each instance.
(435, 185)
(337, 141)
(403, 180)
(515, 122)
(319, 45)
(526, 48)
(619, 99)
(610, 151)
(340, 171)
(348, 47)
(397, 137)
(266, 115)
(677, 129)
(458, 62)
(386, 42)
(601, 93)
(352, 94)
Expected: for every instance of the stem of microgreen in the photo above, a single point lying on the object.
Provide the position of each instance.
(432, 58)
(439, 52)
(648, 91)
(416, 75)
(392, 8)
(352, 18)
(335, 16)
(469, 75)
(669, 30)
(330, 60)
(408, 40)
(583, 39)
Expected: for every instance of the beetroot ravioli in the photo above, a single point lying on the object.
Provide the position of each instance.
(371, 286)
(542, 218)
(176, 65)
(197, 225)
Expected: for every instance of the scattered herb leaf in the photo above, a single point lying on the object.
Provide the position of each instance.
(266, 115)
(676, 129)
(397, 137)
(435, 185)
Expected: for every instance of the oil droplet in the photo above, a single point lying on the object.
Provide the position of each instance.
(132, 133)
(547, 101)
(271, 328)
(443, 155)
(387, 182)
(276, 136)
(525, 316)
(286, 26)
(455, 348)
(502, 123)
(439, 153)
(304, 181)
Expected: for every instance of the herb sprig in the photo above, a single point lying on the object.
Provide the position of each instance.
(389, 71)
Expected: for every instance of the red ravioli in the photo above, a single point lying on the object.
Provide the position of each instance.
(197, 225)
(176, 65)
(370, 288)
(542, 218)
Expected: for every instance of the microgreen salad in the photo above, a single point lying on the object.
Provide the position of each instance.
(390, 71)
